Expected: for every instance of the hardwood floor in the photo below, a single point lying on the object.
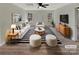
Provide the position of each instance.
(25, 49)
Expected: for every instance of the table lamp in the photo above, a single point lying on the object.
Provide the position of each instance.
(13, 27)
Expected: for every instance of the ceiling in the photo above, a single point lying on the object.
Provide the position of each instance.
(34, 6)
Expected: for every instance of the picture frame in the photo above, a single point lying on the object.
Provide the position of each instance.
(29, 16)
(49, 16)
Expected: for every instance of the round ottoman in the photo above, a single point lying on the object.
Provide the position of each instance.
(51, 40)
(35, 40)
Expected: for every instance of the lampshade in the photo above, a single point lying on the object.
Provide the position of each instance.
(13, 26)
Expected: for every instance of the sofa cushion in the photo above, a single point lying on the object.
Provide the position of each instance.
(19, 27)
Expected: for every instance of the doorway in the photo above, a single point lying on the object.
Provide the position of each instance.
(40, 16)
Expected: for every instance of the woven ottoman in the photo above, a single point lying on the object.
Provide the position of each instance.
(51, 40)
(35, 40)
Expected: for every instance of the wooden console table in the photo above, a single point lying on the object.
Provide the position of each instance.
(12, 36)
(64, 30)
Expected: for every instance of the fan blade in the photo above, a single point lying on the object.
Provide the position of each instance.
(44, 6)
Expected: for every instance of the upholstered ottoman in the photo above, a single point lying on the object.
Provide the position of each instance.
(51, 40)
(35, 40)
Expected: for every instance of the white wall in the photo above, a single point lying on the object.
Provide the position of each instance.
(5, 17)
(78, 18)
(70, 10)
(39, 15)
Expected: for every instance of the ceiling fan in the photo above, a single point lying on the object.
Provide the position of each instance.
(42, 5)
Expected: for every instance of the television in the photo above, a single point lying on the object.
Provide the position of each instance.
(64, 18)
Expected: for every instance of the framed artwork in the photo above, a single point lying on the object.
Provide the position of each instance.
(29, 16)
(49, 16)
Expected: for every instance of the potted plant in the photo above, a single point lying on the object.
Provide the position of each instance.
(53, 23)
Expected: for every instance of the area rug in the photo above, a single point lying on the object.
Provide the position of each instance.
(31, 31)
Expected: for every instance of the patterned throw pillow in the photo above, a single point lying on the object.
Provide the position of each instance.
(19, 27)
(23, 24)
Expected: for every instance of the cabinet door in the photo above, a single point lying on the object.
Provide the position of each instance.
(67, 32)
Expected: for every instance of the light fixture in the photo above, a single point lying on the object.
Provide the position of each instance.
(39, 7)
(13, 27)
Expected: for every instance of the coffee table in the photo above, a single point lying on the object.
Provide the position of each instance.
(40, 30)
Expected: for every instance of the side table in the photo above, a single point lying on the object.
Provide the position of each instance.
(12, 36)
